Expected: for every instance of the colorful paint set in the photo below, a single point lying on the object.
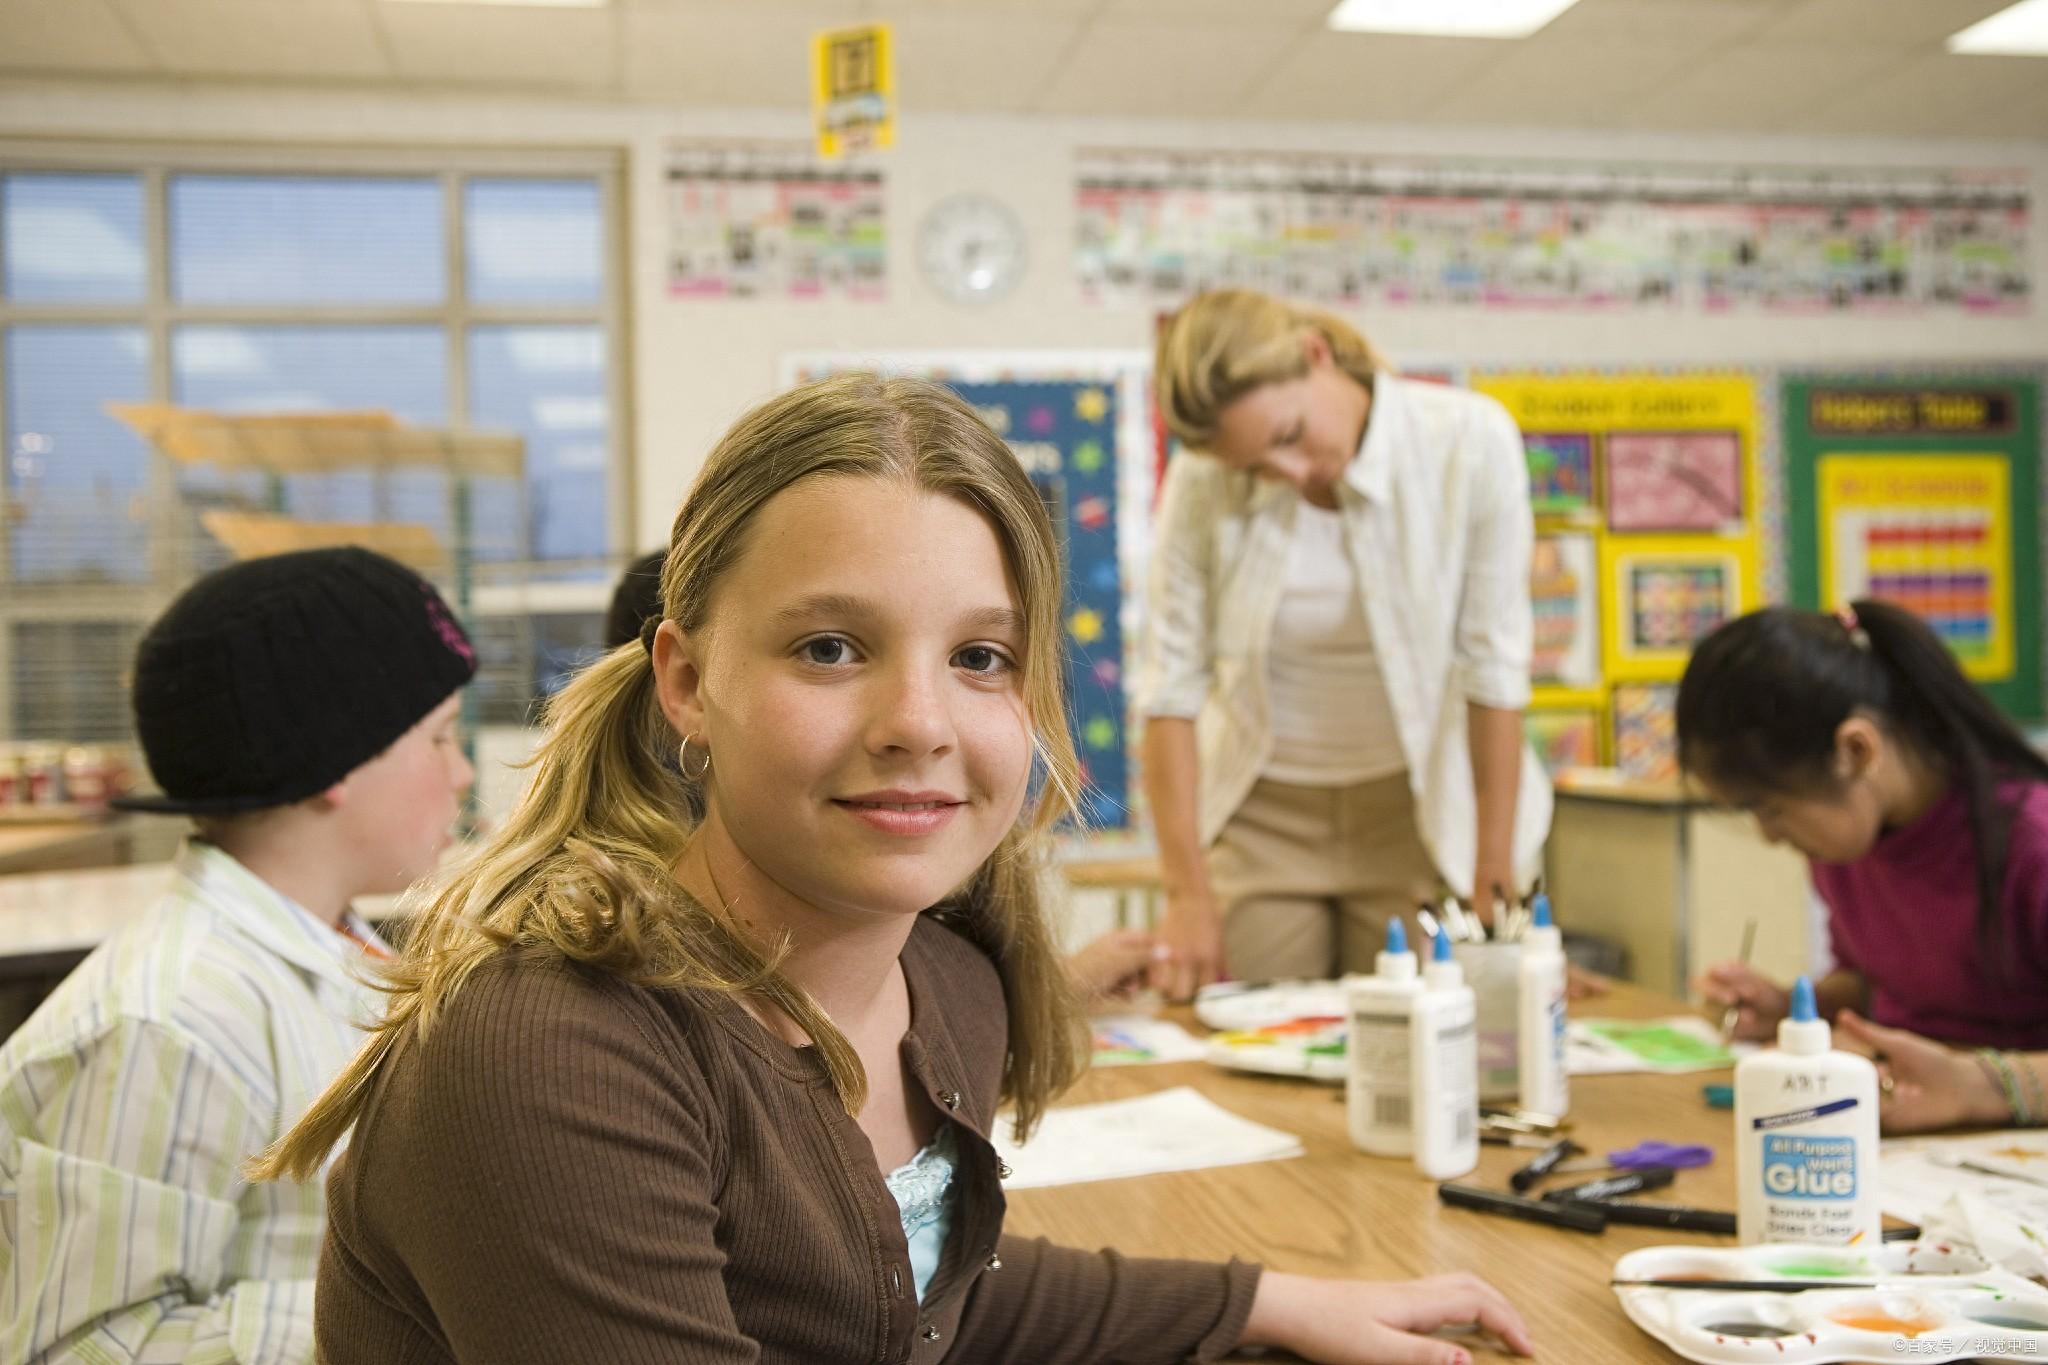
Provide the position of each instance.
(1922, 1301)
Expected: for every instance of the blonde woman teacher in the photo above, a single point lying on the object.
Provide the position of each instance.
(1337, 652)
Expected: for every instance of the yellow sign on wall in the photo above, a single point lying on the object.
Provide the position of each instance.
(1932, 533)
(1644, 487)
(853, 89)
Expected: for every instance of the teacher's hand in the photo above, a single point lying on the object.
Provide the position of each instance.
(1191, 932)
(1490, 882)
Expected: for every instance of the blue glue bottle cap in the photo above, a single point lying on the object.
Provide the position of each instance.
(1397, 937)
(1803, 1031)
(1440, 948)
(1539, 907)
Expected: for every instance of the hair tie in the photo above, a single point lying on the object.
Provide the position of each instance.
(1858, 636)
(647, 629)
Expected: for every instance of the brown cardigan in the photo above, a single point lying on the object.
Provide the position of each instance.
(570, 1169)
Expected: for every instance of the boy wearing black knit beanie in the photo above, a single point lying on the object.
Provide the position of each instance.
(302, 711)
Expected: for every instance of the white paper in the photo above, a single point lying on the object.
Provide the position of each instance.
(1917, 1176)
(1174, 1130)
(1138, 1039)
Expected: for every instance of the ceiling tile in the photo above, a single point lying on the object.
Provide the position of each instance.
(1690, 21)
(1295, 16)
(1365, 76)
(1758, 89)
(1939, 95)
(1560, 81)
(731, 55)
(67, 35)
(993, 61)
(502, 45)
(1926, 22)
(1186, 70)
(260, 38)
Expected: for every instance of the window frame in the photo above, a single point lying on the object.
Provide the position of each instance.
(497, 584)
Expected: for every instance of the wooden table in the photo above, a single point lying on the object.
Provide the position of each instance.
(1338, 1212)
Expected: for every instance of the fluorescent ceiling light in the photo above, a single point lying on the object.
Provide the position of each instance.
(2016, 31)
(523, 4)
(1447, 18)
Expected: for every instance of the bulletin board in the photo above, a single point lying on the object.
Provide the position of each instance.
(1645, 488)
(1078, 423)
(1925, 491)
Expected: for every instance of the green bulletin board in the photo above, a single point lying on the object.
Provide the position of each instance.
(1924, 492)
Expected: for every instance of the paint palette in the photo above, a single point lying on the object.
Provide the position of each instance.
(1932, 1302)
(1287, 1028)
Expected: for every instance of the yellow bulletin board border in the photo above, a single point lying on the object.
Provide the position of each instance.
(1931, 497)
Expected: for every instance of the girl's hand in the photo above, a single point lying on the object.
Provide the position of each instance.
(1113, 966)
(1191, 929)
(1758, 1001)
(1363, 1322)
(1930, 1086)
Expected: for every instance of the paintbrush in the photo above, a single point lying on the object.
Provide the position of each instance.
(1752, 1286)
(1734, 1012)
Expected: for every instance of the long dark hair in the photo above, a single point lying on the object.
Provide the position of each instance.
(1763, 696)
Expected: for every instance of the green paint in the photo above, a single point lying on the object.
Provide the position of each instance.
(1818, 1270)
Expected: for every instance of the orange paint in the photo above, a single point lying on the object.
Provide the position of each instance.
(1874, 1321)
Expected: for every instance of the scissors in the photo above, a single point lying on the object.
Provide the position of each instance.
(1641, 1156)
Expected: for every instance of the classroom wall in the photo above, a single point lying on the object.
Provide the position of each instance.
(696, 365)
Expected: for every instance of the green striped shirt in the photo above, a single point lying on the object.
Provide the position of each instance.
(183, 1045)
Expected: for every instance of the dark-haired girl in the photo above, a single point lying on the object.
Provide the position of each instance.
(1857, 739)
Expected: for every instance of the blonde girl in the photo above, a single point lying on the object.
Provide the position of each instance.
(1337, 648)
(697, 1060)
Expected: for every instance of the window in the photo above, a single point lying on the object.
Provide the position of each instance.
(449, 291)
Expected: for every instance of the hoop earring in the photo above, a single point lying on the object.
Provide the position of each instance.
(683, 760)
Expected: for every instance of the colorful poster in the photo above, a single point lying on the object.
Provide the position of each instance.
(1670, 600)
(1566, 738)
(1676, 449)
(1646, 731)
(1065, 435)
(1564, 600)
(1674, 481)
(754, 220)
(853, 90)
(1931, 534)
(1154, 226)
(1925, 492)
(1560, 472)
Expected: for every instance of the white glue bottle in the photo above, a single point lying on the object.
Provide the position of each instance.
(1806, 1138)
(1446, 1069)
(1382, 1013)
(1540, 1026)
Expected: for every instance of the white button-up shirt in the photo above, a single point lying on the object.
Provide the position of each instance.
(1437, 523)
(185, 1044)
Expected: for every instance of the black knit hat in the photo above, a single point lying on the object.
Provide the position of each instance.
(271, 680)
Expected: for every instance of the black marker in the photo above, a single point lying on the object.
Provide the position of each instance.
(1650, 1215)
(1634, 1182)
(1578, 1217)
(1543, 1164)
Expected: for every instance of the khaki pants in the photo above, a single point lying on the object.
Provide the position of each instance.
(1309, 877)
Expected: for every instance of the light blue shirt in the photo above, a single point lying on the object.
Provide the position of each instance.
(923, 1188)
